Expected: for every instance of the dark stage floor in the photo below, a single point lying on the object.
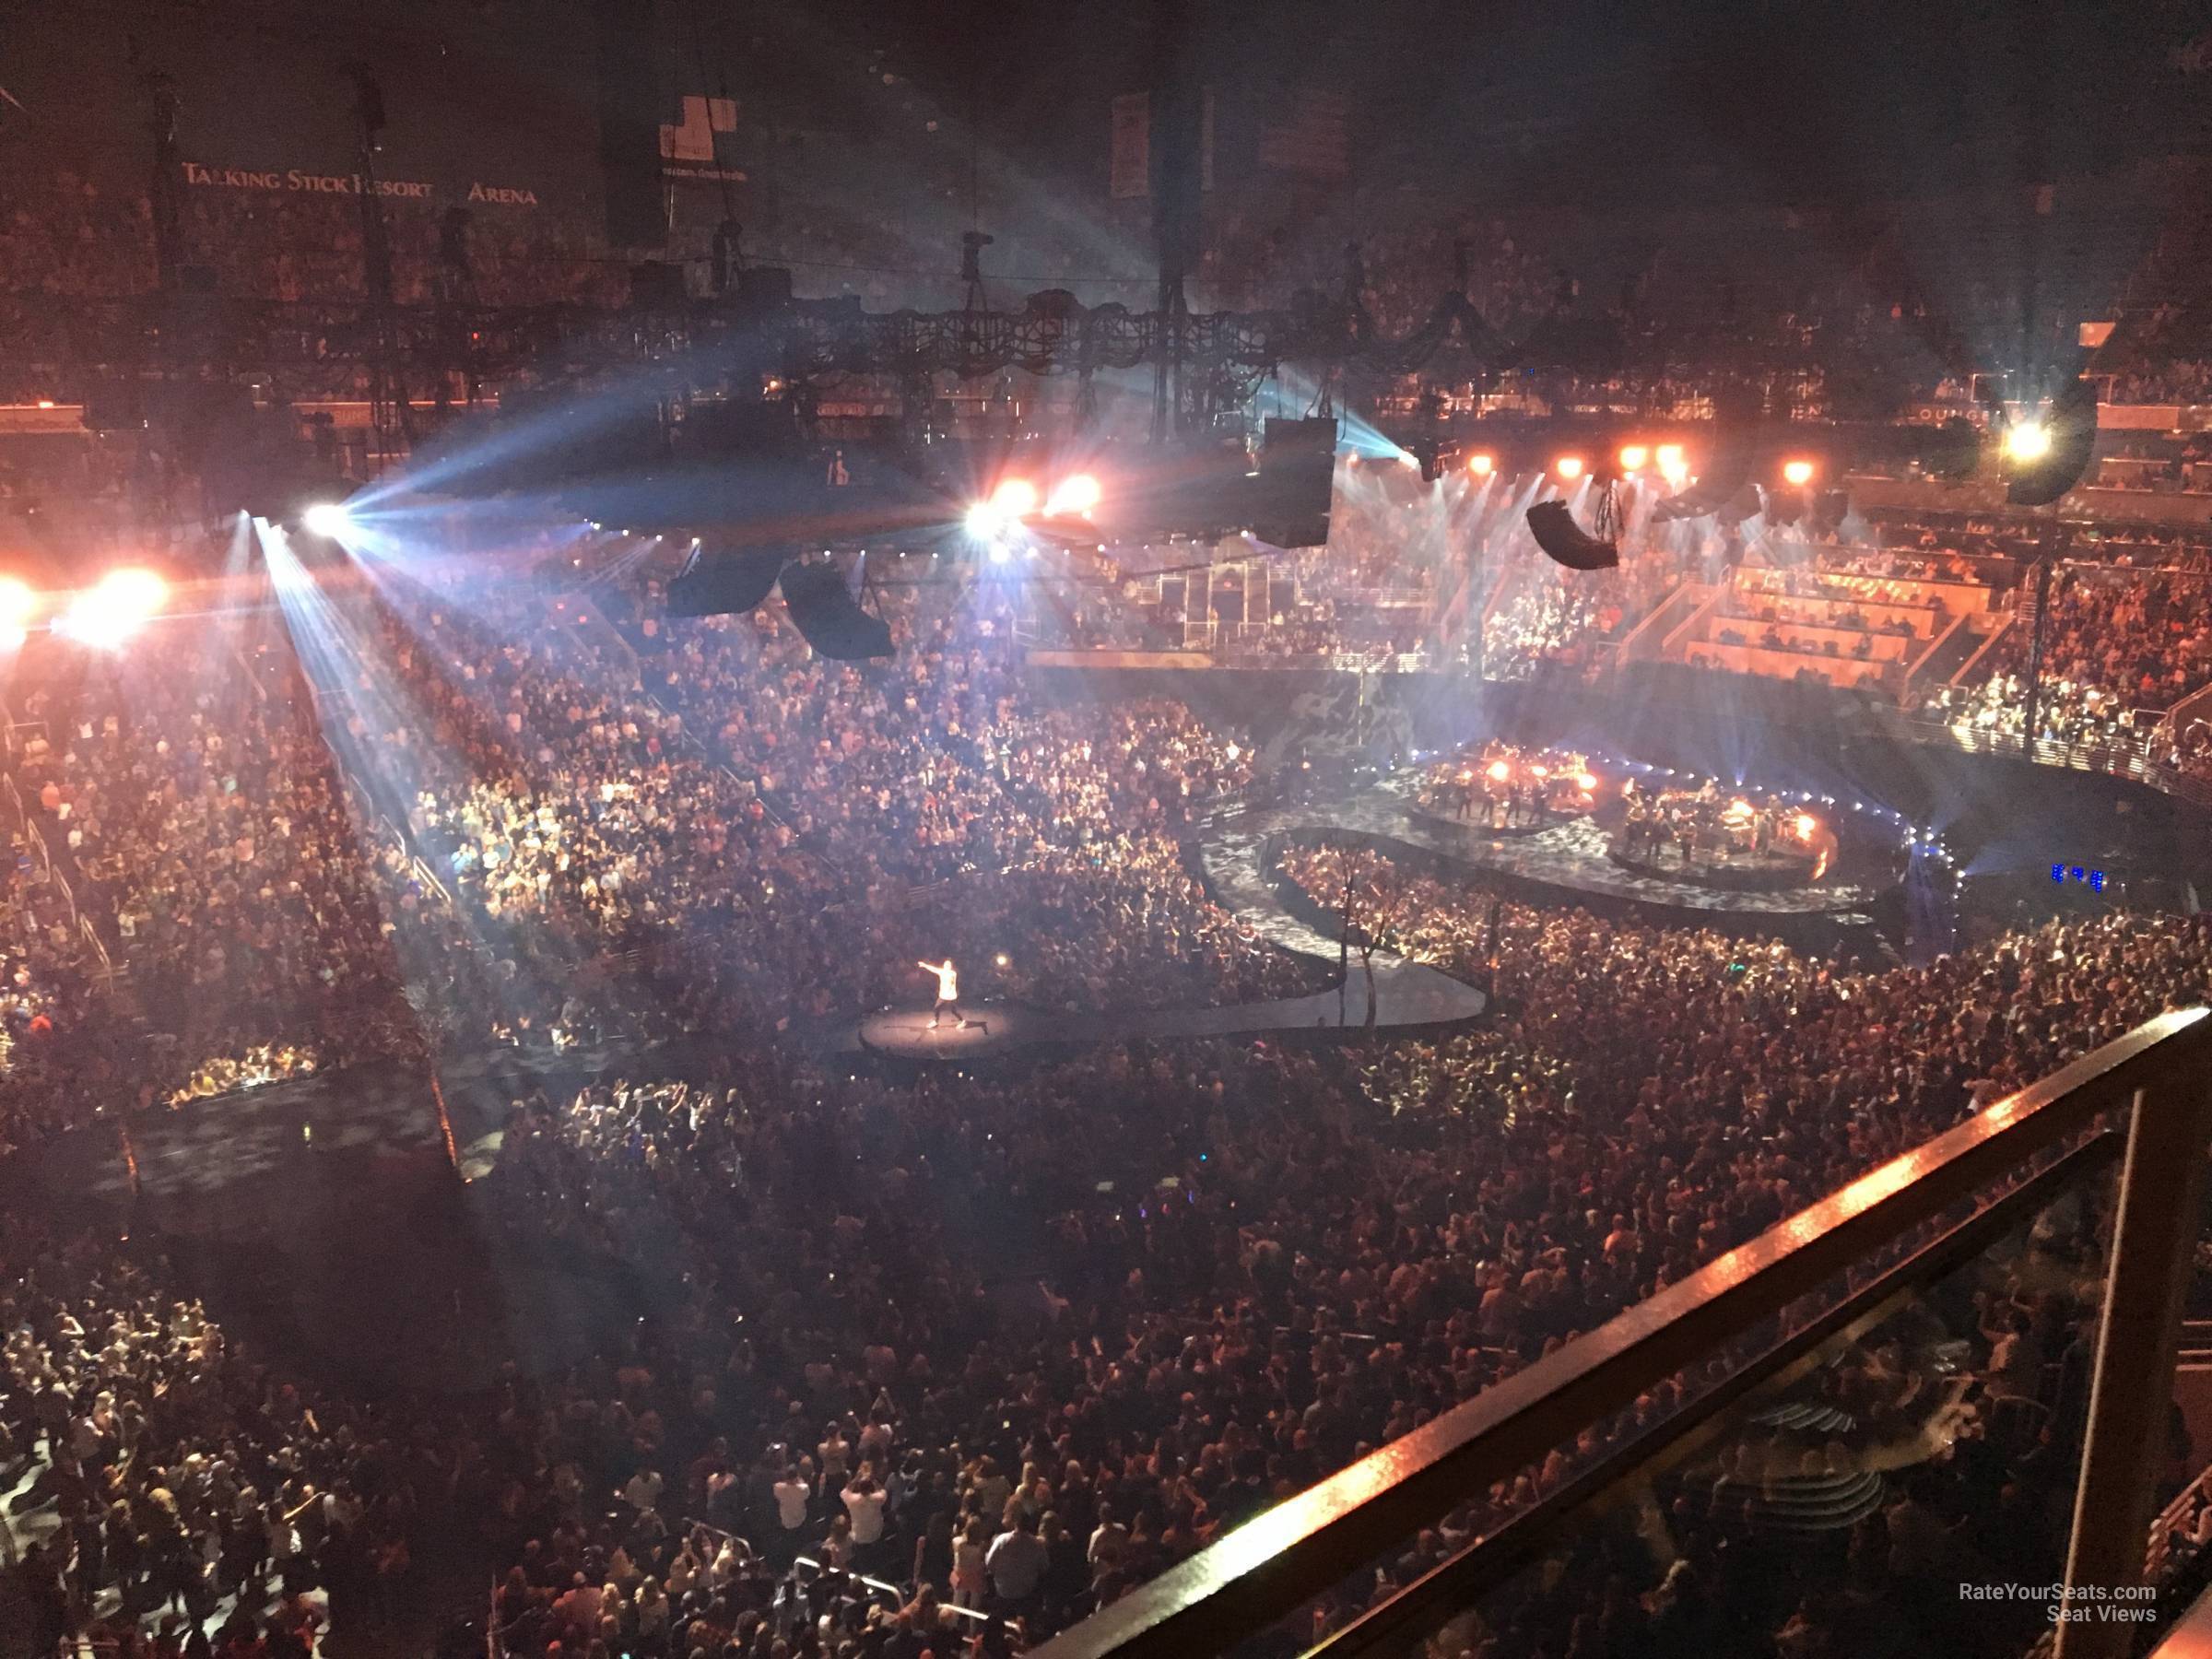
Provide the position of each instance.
(324, 1220)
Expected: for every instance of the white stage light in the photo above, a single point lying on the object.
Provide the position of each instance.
(17, 604)
(327, 518)
(2030, 441)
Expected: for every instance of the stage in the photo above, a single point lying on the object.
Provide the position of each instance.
(1563, 860)
(1406, 993)
(1575, 856)
(1762, 872)
(907, 1034)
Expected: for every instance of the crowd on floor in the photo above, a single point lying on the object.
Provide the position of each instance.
(511, 825)
(1014, 1344)
(1007, 1344)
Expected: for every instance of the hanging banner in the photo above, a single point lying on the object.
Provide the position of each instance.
(1313, 139)
(692, 149)
(1129, 174)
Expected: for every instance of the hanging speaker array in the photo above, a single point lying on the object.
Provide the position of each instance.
(719, 584)
(2070, 434)
(1566, 542)
(823, 610)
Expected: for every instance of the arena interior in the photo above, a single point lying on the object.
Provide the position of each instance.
(1199, 828)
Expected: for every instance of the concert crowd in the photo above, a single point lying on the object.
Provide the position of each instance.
(1013, 1344)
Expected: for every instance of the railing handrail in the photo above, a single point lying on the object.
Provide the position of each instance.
(1904, 692)
(1457, 1581)
(883, 1587)
(1273, 1564)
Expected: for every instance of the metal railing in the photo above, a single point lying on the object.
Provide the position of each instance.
(804, 1569)
(2192, 1635)
(1950, 629)
(2159, 1077)
(2116, 755)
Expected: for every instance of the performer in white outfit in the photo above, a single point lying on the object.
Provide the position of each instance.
(948, 992)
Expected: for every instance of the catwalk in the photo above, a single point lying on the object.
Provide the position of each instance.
(1406, 993)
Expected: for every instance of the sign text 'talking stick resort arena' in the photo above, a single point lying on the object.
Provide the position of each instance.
(298, 179)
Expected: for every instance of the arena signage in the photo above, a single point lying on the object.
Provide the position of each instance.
(298, 180)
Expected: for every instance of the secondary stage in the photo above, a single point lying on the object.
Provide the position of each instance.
(1406, 993)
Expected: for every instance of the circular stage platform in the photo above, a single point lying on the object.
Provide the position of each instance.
(1764, 872)
(1406, 993)
(1575, 856)
(1482, 824)
(907, 1035)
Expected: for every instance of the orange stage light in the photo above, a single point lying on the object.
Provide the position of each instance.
(1072, 497)
(1014, 498)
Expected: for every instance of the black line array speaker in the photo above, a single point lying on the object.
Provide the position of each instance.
(655, 285)
(1727, 470)
(629, 125)
(1744, 503)
(827, 618)
(2073, 422)
(1296, 482)
(1565, 542)
(716, 585)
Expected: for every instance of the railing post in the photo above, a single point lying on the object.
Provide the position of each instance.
(2154, 1249)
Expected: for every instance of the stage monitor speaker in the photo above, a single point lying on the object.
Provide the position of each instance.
(827, 618)
(2073, 423)
(718, 584)
(1565, 542)
(629, 125)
